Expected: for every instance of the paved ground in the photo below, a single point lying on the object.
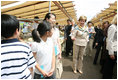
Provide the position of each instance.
(90, 71)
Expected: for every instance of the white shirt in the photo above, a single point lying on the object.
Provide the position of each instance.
(72, 30)
(44, 54)
(55, 38)
(91, 29)
(112, 39)
(35, 25)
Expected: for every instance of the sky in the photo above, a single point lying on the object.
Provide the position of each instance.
(90, 8)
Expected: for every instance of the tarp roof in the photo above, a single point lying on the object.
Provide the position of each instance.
(29, 9)
(106, 15)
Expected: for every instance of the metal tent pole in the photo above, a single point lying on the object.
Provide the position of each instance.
(49, 6)
(64, 9)
(30, 19)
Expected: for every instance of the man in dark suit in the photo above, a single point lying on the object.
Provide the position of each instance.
(96, 30)
(67, 37)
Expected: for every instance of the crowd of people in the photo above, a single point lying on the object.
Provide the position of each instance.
(83, 39)
(42, 58)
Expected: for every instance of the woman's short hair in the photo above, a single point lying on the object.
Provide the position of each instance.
(83, 18)
(90, 22)
(48, 15)
(9, 24)
(105, 23)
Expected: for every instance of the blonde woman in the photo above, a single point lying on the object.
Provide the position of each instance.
(80, 38)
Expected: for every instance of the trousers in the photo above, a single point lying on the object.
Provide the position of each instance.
(89, 47)
(78, 52)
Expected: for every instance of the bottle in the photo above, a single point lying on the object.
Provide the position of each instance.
(42, 67)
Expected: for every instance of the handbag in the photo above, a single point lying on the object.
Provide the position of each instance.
(59, 68)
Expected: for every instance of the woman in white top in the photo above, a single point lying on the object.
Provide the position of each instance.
(112, 50)
(80, 37)
(91, 37)
(43, 51)
(51, 17)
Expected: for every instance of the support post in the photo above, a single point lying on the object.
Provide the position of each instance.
(49, 6)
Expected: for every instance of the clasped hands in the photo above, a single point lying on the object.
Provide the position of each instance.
(47, 74)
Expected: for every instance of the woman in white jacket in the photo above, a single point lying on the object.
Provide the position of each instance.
(80, 37)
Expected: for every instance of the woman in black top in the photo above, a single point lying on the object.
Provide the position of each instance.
(98, 43)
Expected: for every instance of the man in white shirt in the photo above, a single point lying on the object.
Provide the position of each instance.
(112, 50)
(35, 23)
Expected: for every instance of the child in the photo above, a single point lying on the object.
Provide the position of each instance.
(43, 51)
(16, 57)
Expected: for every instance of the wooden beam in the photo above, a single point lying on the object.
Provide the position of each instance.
(3, 3)
(104, 18)
(57, 4)
(24, 6)
(39, 9)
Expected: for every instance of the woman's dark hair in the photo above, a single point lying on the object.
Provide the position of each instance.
(90, 22)
(35, 36)
(106, 22)
(42, 29)
(105, 29)
(9, 24)
(48, 15)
